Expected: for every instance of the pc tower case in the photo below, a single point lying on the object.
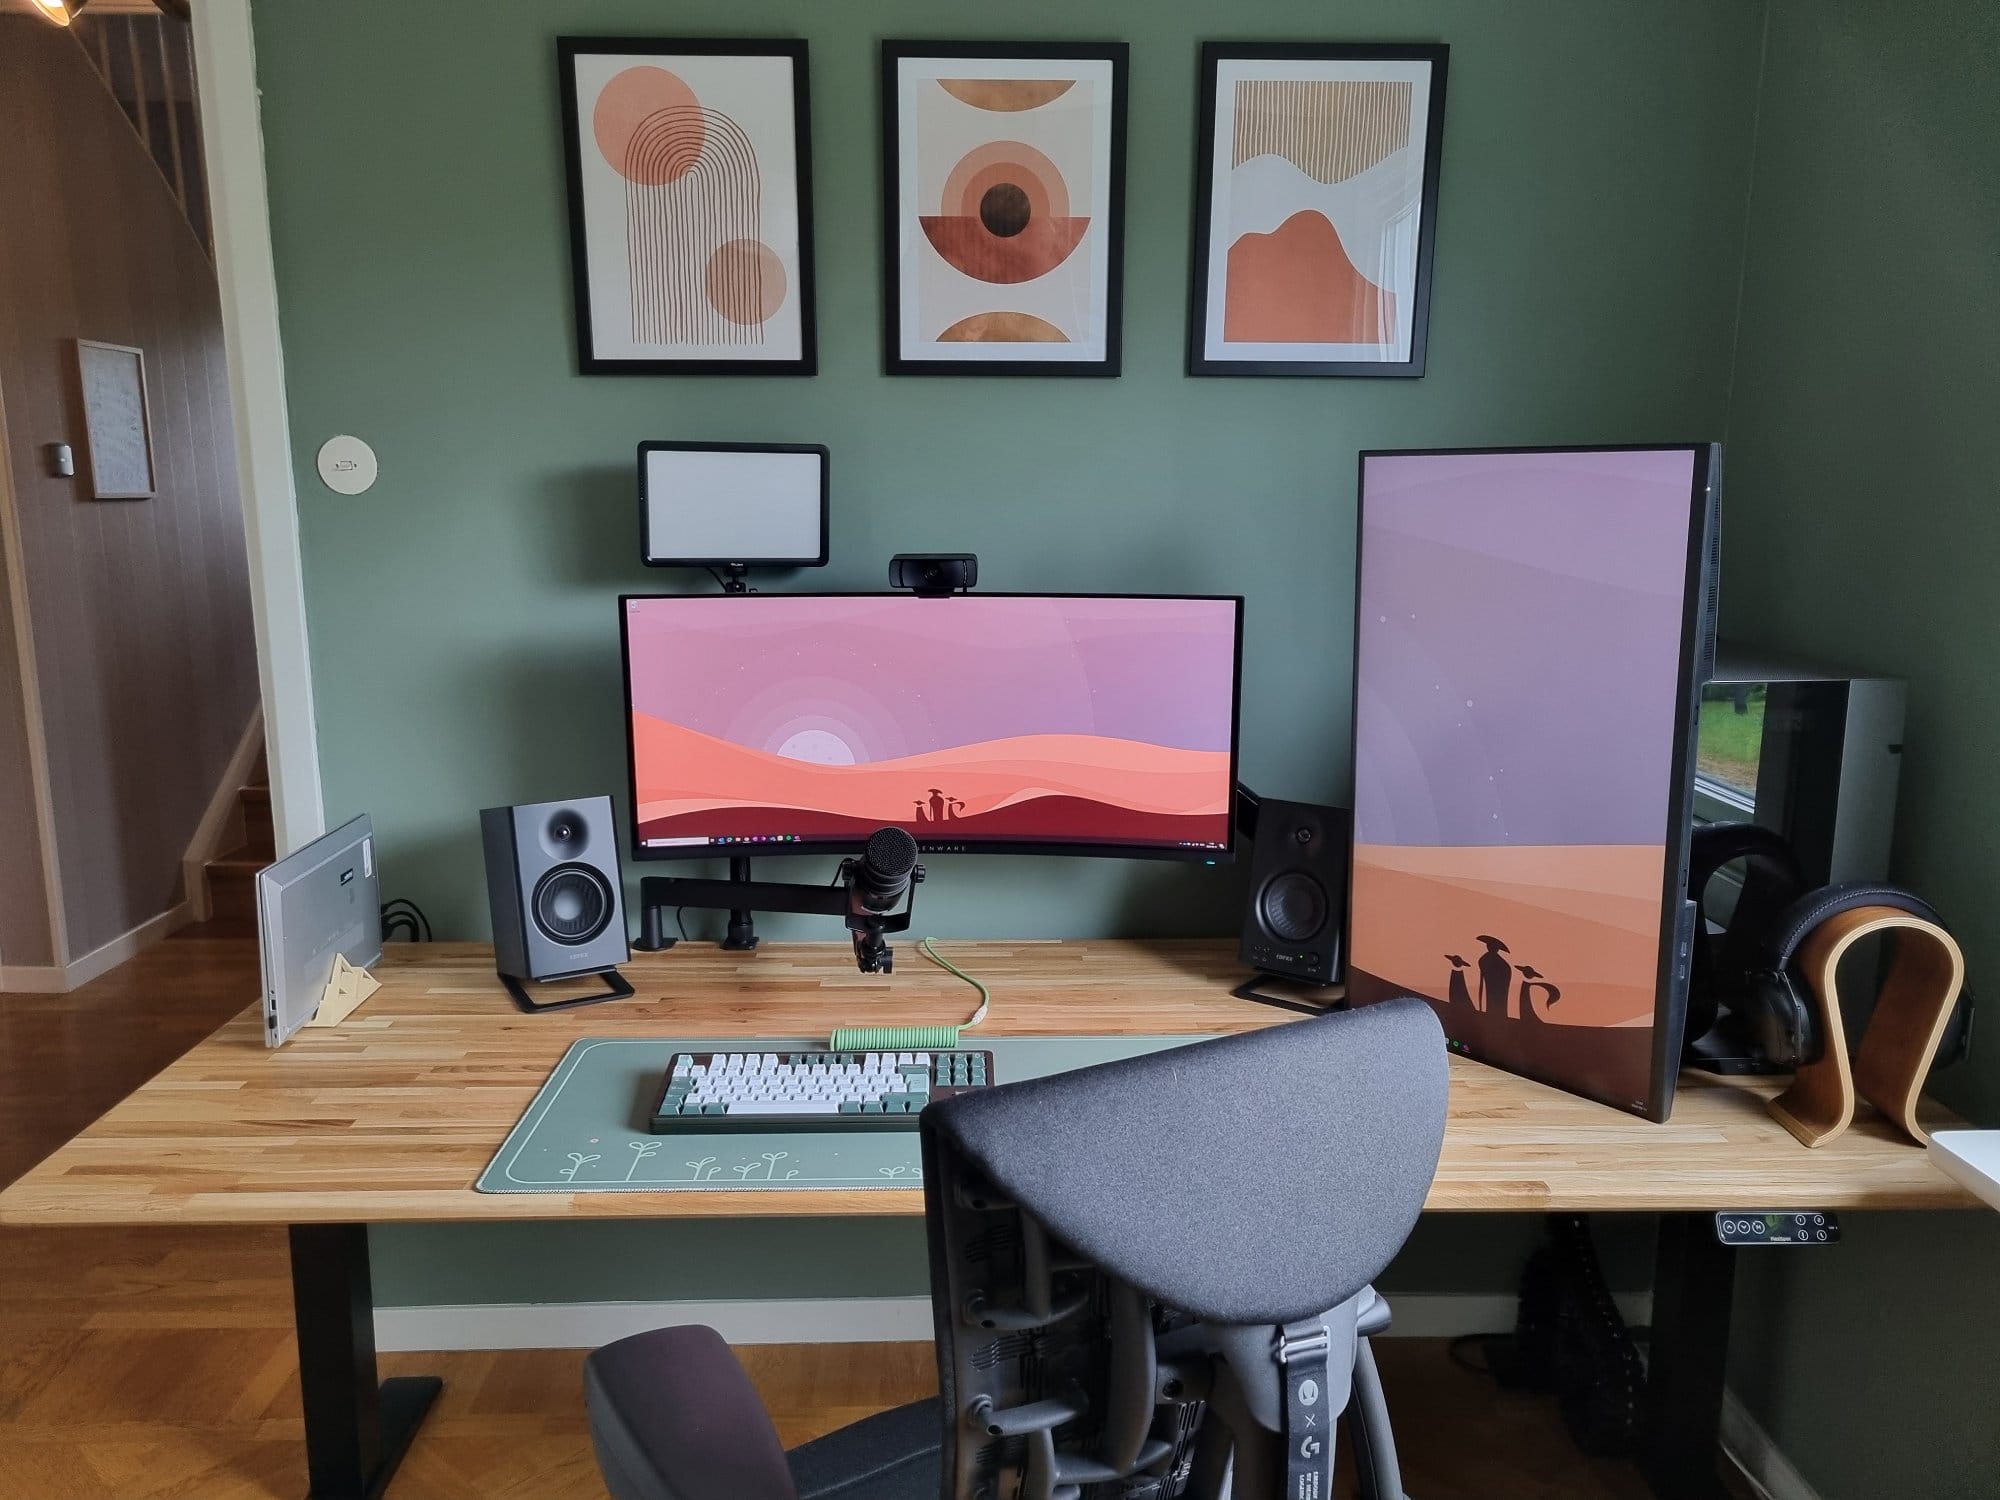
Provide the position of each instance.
(1812, 753)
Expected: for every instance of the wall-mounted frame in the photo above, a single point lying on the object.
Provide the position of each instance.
(1003, 200)
(733, 505)
(117, 420)
(1316, 186)
(690, 205)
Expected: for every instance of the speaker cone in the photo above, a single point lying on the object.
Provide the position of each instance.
(1292, 906)
(571, 904)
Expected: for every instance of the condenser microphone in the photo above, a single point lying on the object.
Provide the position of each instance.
(884, 870)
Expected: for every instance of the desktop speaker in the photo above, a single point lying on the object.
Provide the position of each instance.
(557, 895)
(1298, 890)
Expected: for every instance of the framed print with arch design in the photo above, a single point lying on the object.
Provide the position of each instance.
(1315, 207)
(1003, 194)
(690, 205)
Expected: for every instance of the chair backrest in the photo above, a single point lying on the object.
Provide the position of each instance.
(1113, 1250)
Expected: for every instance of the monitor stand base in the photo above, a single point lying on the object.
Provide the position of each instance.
(660, 893)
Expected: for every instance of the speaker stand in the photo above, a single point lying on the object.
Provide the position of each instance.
(1250, 989)
(618, 989)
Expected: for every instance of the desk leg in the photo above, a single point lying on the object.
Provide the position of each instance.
(1693, 1274)
(357, 1429)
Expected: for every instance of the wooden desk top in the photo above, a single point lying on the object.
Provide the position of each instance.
(391, 1116)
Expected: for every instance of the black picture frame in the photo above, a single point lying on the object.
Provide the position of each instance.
(1199, 362)
(589, 360)
(894, 52)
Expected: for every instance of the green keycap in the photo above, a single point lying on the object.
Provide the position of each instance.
(872, 1107)
(715, 1109)
(850, 1107)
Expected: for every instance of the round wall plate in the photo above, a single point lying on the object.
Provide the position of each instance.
(346, 465)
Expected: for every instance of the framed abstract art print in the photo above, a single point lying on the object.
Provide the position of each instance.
(1316, 189)
(690, 205)
(1003, 170)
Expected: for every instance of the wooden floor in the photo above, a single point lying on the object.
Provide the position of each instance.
(159, 1362)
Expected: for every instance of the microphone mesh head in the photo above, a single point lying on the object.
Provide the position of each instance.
(891, 852)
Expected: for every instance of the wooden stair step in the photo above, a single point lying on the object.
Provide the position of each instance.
(237, 864)
(259, 833)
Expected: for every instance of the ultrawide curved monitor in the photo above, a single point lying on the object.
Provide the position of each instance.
(982, 723)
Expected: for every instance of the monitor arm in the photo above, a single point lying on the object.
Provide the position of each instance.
(741, 897)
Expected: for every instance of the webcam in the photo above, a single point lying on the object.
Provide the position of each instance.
(933, 573)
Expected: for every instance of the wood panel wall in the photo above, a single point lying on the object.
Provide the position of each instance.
(140, 610)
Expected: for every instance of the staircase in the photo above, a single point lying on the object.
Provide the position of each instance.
(146, 59)
(230, 878)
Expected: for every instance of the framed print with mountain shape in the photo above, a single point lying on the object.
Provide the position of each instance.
(1316, 189)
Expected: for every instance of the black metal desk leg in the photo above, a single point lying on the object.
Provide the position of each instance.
(357, 1429)
(1693, 1274)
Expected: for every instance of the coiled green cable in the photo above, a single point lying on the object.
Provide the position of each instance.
(915, 1038)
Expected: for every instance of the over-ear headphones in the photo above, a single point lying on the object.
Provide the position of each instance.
(1781, 1016)
(1721, 964)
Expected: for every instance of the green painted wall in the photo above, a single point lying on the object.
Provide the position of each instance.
(461, 614)
(1863, 471)
(1589, 248)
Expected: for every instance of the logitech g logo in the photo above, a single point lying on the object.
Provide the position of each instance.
(1308, 1392)
(1310, 1447)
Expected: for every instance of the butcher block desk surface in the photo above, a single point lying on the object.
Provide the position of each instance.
(391, 1116)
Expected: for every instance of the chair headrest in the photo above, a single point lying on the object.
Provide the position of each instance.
(1259, 1178)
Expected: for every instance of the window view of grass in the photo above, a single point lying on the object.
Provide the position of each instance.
(1732, 731)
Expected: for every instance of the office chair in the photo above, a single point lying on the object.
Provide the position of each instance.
(1149, 1280)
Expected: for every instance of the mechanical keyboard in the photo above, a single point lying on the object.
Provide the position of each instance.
(707, 1092)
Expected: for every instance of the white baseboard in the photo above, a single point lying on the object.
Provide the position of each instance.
(1750, 1447)
(586, 1325)
(32, 979)
(837, 1320)
(60, 980)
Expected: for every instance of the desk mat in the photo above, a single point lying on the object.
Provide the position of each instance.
(586, 1131)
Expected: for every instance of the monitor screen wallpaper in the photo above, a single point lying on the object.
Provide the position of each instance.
(1524, 630)
(999, 722)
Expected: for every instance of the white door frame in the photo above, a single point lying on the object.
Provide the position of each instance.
(232, 141)
(49, 976)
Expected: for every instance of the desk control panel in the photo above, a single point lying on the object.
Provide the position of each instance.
(1777, 1227)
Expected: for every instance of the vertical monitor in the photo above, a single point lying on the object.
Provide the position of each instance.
(984, 723)
(1531, 628)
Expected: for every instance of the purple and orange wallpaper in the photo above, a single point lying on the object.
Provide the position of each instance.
(1028, 720)
(1519, 637)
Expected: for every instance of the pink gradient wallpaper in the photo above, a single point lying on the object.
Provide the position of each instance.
(985, 719)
